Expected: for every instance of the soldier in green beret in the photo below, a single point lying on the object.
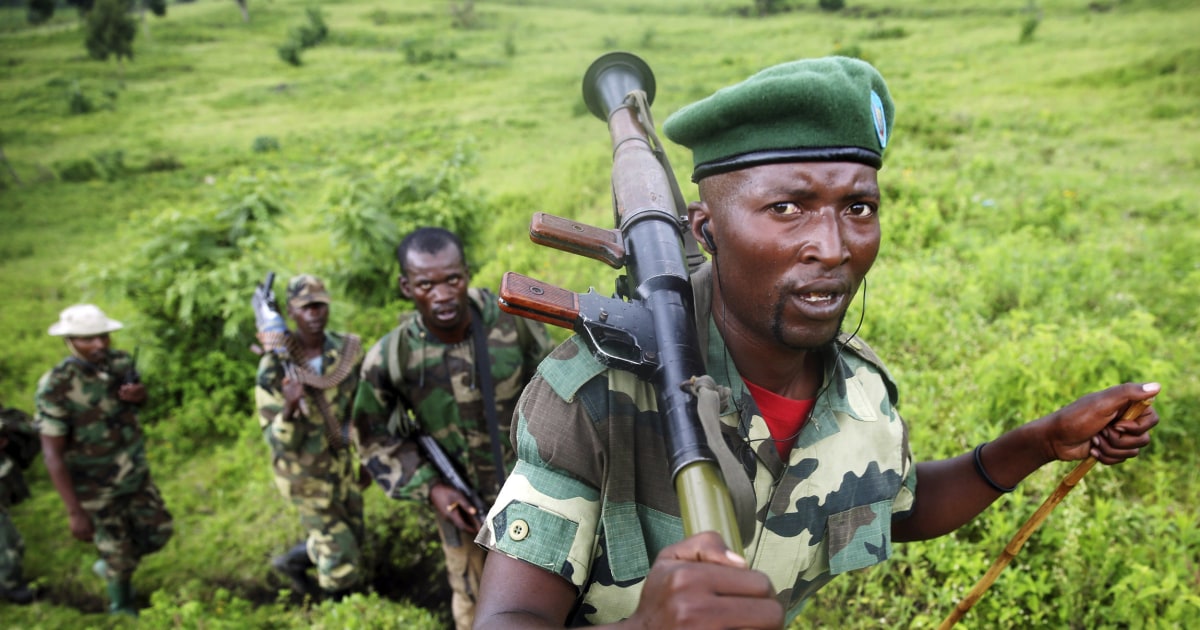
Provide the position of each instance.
(587, 530)
(304, 392)
(18, 448)
(95, 451)
(425, 377)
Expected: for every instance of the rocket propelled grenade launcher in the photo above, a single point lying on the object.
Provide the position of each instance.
(649, 326)
(268, 321)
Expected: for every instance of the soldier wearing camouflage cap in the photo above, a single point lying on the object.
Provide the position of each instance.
(303, 393)
(423, 377)
(95, 451)
(18, 448)
(587, 530)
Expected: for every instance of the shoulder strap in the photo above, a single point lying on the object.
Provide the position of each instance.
(483, 368)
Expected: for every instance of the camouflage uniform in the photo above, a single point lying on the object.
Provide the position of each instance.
(437, 395)
(19, 452)
(591, 497)
(106, 458)
(321, 481)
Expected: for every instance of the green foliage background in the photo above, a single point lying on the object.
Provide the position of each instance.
(1040, 194)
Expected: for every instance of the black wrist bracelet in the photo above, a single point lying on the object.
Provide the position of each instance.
(983, 473)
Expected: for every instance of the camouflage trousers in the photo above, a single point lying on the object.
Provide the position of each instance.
(128, 527)
(331, 513)
(464, 568)
(12, 550)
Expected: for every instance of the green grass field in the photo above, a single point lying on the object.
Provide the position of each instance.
(1038, 243)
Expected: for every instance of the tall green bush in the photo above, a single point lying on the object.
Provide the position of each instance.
(110, 30)
(374, 203)
(191, 280)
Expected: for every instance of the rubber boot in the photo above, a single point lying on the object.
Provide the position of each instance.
(295, 563)
(120, 595)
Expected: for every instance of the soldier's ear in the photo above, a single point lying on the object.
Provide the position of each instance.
(405, 288)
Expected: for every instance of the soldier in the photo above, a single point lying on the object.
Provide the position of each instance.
(786, 164)
(304, 393)
(95, 452)
(422, 378)
(18, 448)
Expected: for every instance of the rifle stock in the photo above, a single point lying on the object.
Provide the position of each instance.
(649, 328)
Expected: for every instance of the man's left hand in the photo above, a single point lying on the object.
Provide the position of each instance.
(1093, 426)
(132, 393)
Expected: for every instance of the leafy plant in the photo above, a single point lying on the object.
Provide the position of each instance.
(376, 203)
(190, 280)
(110, 30)
(265, 144)
(1030, 23)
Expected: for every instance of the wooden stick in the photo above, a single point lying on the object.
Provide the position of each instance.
(1014, 546)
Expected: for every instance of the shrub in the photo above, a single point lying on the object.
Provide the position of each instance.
(190, 281)
(289, 51)
(374, 204)
(886, 32)
(40, 11)
(769, 7)
(463, 15)
(78, 102)
(77, 170)
(831, 5)
(162, 162)
(314, 32)
(1029, 25)
(265, 144)
(304, 36)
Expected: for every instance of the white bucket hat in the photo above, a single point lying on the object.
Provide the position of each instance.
(83, 320)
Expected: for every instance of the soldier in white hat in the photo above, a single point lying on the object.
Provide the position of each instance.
(95, 452)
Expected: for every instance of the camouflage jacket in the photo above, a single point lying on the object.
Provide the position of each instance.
(105, 452)
(300, 445)
(20, 449)
(437, 394)
(591, 497)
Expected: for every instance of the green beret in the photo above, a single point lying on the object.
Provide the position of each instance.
(830, 109)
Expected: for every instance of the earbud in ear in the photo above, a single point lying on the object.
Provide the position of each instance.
(708, 238)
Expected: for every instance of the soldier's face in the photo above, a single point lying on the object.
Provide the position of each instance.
(437, 284)
(794, 241)
(90, 349)
(311, 318)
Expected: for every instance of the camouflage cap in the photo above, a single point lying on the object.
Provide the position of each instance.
(831, 109)
(306, 289)
(83, 320)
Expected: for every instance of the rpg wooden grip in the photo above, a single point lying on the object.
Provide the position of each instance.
(585, 240)
(526, 297)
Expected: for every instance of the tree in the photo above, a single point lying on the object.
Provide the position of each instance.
(40, 11)
(110, 31)
(157, 7)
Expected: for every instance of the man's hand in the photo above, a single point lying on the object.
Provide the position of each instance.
(81, 526)
(132, 393)
(1091, 425)
(451, 505)
(293, 396)
(699, 583)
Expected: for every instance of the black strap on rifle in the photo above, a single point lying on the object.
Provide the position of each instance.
(483, 368)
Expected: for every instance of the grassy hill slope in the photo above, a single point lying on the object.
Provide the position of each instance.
(1038, 243)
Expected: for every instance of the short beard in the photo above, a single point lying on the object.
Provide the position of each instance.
(777, 331)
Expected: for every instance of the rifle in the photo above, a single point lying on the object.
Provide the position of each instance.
(649, 326)
(445, 467)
